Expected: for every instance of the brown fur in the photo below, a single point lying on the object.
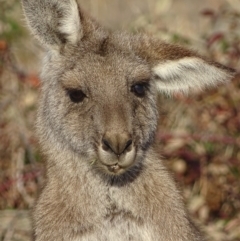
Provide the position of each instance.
(105, 181)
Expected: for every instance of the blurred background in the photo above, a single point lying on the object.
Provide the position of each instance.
(199, 136)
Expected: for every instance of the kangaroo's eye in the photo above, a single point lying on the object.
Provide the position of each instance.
(76, 96)
(139, 89)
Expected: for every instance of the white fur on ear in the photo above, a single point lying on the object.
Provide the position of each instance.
(70, 23)
(54, 22)
(188, 74)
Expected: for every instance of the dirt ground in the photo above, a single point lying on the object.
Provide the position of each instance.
(208, 173)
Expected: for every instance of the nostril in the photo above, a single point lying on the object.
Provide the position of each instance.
(128, 144)
(106, 145)
(118, 148)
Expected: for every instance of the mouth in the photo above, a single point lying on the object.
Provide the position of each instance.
(114, 164)
(120, 175)
(114, 168)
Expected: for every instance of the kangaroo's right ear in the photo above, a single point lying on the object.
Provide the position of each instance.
(54, 22)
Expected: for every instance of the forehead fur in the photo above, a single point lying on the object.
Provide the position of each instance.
(112, 66)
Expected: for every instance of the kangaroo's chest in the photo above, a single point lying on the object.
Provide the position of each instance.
(119, 226)
(119, 222)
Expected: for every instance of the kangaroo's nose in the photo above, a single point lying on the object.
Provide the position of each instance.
(116, 142)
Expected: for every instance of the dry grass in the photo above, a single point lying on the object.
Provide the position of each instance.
(199, 136)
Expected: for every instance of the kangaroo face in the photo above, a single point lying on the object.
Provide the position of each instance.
(99, 88)
(103, 105)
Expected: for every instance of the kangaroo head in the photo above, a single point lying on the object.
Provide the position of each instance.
(99, 89)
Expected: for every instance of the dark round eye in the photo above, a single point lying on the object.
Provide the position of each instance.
(139, 89)
(76, 96)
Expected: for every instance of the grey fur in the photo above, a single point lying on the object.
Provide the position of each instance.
(104, 180)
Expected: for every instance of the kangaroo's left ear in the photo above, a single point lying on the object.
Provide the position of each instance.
(178, 69)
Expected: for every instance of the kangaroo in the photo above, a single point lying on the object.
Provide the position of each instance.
(96, 123)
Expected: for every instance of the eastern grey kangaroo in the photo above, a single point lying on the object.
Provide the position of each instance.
(96, 123)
